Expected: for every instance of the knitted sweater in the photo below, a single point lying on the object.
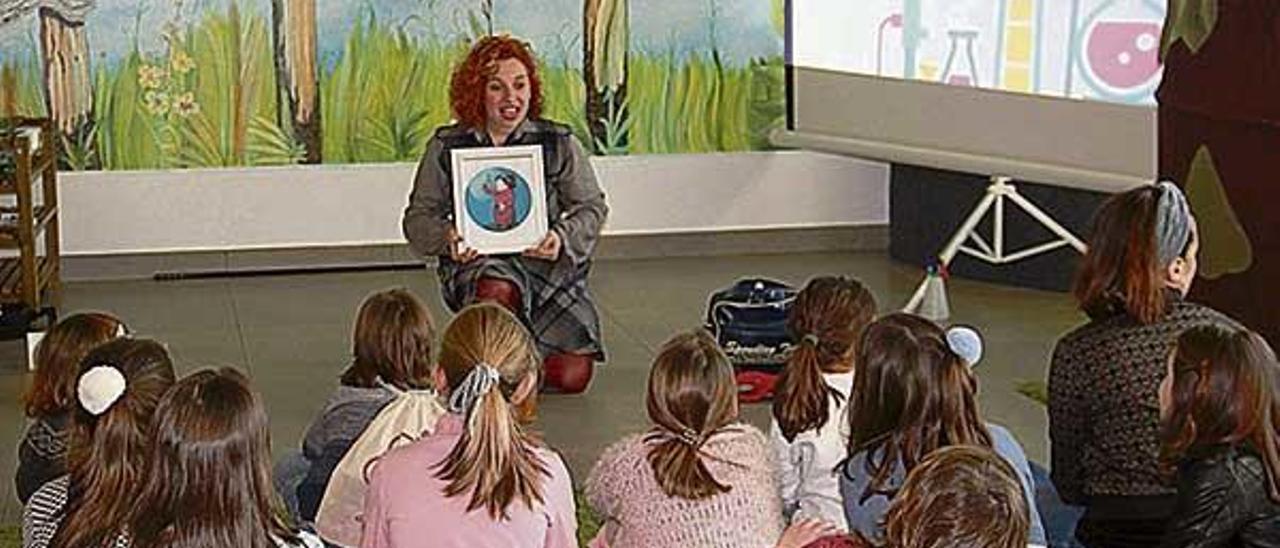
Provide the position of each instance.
(623, 490)
(41, 454)
(1104, 409)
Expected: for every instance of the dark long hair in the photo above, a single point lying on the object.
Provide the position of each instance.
(57, 361)
(692, 396)
(107, 459)
(826, 322)
(1121, 271)
(1223, 392)
(912, 394)
(392, 340)
(210, 477)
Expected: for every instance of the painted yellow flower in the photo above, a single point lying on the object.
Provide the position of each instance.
(181, 62)
(186, 105)
(151, 77)
(156, 102)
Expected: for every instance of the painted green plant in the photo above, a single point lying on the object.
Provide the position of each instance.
(208, 97)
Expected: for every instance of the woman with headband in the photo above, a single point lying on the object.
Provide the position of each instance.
(1104, 413)
(120, 385)
(482, 478)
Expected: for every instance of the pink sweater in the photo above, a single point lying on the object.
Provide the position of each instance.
(405, 505)
(622, 489)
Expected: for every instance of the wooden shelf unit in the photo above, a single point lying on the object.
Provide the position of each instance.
(30, 279)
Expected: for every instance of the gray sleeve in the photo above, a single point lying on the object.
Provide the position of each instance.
(582, 203)
(430, 211)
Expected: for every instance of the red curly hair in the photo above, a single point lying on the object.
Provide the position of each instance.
(466, 88)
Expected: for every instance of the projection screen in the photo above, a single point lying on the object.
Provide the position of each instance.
(1051, 91)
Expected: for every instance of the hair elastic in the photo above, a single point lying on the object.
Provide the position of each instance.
(966, 342)
(99, 388)
(479, 382)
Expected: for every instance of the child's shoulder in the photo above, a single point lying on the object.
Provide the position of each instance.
(629, 447)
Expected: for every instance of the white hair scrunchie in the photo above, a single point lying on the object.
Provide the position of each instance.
(99, 388)
(479, 381)
(966, 342)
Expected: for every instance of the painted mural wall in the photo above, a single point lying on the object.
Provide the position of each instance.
(150, 84)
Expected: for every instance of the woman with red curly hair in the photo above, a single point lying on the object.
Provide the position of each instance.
(497, 101)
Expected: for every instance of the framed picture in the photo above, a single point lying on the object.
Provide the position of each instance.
(500, 198)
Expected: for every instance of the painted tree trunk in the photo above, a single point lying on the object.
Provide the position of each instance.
(604, 72)
(68, 92)
(294, 34)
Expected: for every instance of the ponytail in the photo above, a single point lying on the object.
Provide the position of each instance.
(119, 388)
(800, 400)
(692, 397)
(827, 320)
(678, 466)
(495, 459)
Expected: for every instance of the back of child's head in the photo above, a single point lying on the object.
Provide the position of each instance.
(57, 360)
(210, 476)
(489, 363)
(1221, 392)
(120, 384)
(912, 394)
(692, 396)
(826, 322)
(392, 341)
(960, 496)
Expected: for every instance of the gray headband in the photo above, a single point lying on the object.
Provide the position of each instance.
(1173, 222)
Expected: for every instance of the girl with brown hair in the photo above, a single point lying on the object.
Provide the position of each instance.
(51, 398)
(209, 482)
(913, 394)
(481, 478)
(1221, 439)
(959, 496)
(1104, 423)
(697, 477)
(119, 386)
(391, 349)
(808, 431)
(496, 96)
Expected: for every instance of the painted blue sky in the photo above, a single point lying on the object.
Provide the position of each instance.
(743, 29)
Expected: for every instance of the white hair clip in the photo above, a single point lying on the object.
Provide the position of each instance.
(966, 342)
(99, 388)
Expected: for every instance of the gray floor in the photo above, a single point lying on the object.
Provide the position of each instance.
(292, 335)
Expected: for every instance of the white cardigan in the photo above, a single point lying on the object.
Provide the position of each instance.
(808, 465)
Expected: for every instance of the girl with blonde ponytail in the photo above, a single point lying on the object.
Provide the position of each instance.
(807, 432)
(697, 477)
(482, 478)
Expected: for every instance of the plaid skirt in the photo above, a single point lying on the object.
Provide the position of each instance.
(558, 308)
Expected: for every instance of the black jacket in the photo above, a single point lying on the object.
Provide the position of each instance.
(1223, 501)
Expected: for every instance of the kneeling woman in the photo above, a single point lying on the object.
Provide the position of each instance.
(497, 100)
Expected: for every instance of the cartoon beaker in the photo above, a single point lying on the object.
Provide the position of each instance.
(962, 65)
(1120, 57)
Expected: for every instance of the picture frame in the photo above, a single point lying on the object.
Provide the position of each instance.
(500, 198)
